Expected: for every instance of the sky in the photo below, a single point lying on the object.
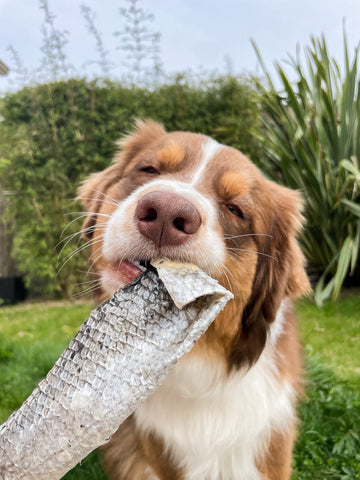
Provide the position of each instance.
(207, 34)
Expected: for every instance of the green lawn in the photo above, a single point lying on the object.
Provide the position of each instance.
(32, 336)
(329, 442)
(334, 333)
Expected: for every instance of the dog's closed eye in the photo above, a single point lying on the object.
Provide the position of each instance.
(235, 210)
(150, 169)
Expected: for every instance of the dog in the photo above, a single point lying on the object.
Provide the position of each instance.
(227, 410)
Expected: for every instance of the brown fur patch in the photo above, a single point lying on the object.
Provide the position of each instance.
(233, 184)
(129, 456)
(276, 463)
(170, 156)
(288, 352)
(278, 262)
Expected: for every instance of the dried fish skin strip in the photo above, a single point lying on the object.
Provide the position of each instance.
(120, 355)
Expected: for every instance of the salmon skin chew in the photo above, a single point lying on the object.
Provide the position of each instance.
(120, 355)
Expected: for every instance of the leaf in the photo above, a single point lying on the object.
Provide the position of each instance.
(322, 293)
(352, 206)
(355, 250)
(351, 168)
(342, 266)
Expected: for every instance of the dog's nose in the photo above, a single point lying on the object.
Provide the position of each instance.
(167, 218)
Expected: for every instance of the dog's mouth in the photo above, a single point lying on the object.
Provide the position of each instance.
(120, 274)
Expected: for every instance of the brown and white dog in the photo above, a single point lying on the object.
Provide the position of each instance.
(227, 409)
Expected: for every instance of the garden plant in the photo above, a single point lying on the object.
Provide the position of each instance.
(310, 138)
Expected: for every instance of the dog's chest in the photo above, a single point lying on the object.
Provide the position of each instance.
(216, 425)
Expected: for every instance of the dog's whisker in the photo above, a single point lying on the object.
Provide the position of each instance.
(82, 247)
(86, 291)
(106, 195)
(232, 250)
(78, 250)
(225, 273)
(231, 237)
(87, 282)
(83, 231)
(99, 200)
(88, 272)
(71, 222)
(80, 216)
(69, 240)
(91, 266)
(70, 237)
(84, 213)
(96, 250)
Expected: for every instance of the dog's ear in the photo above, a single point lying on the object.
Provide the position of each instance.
(280, 271)
(93, 189)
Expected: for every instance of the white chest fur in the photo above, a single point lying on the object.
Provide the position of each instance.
(216, 426)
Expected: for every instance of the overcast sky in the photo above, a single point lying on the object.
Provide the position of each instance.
(194, 33)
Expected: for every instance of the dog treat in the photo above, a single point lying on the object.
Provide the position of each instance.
(120, 355)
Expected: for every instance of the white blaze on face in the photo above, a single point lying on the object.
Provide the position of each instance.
(209, 149)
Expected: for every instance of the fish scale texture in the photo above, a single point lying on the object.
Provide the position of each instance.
(120, 355)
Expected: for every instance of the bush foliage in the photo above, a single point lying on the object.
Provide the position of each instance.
(311, 141)
(53, 135)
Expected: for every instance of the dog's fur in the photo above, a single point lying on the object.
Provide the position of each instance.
(227, 409)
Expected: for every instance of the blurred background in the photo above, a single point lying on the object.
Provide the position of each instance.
(75, 75)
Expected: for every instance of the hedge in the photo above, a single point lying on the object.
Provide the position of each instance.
(53, 135)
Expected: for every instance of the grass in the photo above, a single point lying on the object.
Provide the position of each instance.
(328, 446)
(32, 337)
(334, 333)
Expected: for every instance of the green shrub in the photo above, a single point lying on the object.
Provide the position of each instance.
(311, 141)
(50, 137)
(53, 135)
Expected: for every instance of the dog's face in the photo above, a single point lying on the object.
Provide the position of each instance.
(185, 197)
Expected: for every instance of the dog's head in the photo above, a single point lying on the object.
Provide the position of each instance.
(183, 196)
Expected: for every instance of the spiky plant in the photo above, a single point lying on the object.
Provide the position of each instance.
(311, 140)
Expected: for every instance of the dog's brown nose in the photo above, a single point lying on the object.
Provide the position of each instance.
(166, 218)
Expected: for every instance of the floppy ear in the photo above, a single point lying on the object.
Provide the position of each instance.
(93, 189)
(280, 272)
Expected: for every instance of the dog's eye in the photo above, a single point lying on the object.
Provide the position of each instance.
(149, 169)
(235, 210)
